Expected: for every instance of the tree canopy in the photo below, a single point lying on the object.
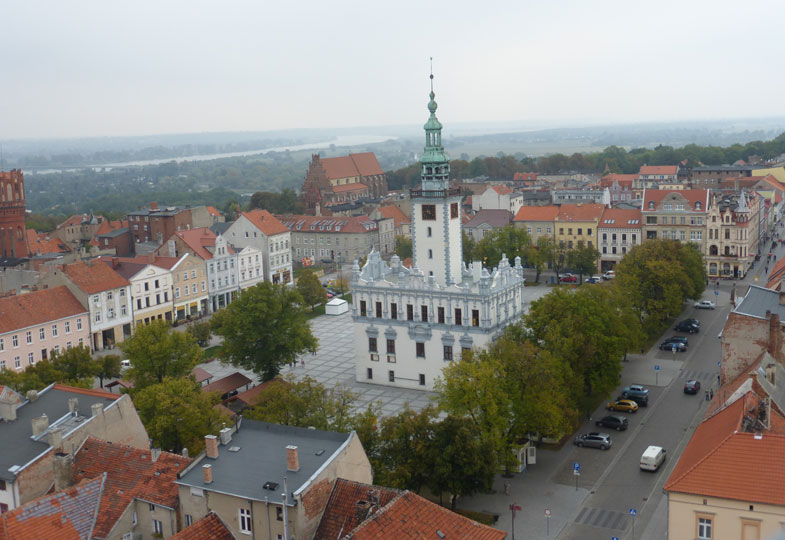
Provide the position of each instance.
(403, 247)
(310, 288)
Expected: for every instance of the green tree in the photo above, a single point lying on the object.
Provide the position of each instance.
(583, 259)
(177, 414)
(403, 247)
(264, 328)
(156, 351)
(201, 332)
(108, 367)
(539, 254)
(404, 449)
(511, 241)
(75, 365)
(469, 247)
(310, 288)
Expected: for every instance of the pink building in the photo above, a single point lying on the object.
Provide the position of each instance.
(32, 325)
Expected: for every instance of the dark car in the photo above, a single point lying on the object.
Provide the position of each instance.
(637, 393)
(619, 423)
(688, 327)
(670, 343)
(595, 440)
(692, 387)
(695, 322)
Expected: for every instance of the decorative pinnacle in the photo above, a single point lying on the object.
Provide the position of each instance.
(431, 74)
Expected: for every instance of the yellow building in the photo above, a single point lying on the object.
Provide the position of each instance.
(577, 223)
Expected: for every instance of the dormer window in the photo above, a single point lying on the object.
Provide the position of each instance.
(651, 205)
(697, 206)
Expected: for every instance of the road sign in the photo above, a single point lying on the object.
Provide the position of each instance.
(576, 467)
(614, 538)
(656, 367)
(673, 348)
(719, 363)
(547, 513)
(633, 512)
(716, 293)
(514, 507)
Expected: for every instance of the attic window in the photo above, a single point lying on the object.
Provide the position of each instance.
(337, 228)
(272, 486)
(234, 448)
(320, 452)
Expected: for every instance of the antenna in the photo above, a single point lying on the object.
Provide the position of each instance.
(431, 73)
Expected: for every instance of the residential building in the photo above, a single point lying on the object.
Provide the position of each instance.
(263, 231)
(577, 223)
(675, 215)
(154, 224)
(34, 324)
(619, 231)
(339, 239)
(539, 221)
(210, 527)
(710, 176)
(242, 479)
(620, 188)
(190, 296)
(120, 240)
(732, 241)
(342, 179)
(498, 197)
(105, 293)
(77, 231)
(651, 176)
(581, 196)
(139, 499)
(249, 267)
(57, 420)
(484, 221)
(525, 177)
(13, 239)
(402, 222)
(361, 511)
(410, 322)
(151, 287)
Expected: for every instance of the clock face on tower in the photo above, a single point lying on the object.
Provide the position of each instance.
(429, 212)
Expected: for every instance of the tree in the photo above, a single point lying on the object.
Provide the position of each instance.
(583, 259)
(310, 288)
(511, 241)
(156, 351)
(108, 367)
(558, 257)
(177, 414)
(75, 365)
(264, 328)
(469, 247)
(201, 332)
(403, 247)
(539, 254)
(404, 447)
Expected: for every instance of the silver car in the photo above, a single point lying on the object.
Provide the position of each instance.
(595, 440)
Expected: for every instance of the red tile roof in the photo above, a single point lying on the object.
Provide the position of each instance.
(364, 164)
(775, 277)
(411, 516)
(624, 180)
(201, 375)
(691, 195)
(213, 212)
(69, 514)
(620, 218)
(41, 243)
(131, 474)
(524, 176)
(38, 307)
(210, 527)
(94, 277)
(580, 212)
(537, 213)
(357, 224)
(392, 211)
(355, 186)
(501, 190)
(341, 512)
(73, 220)
(265, 222)
(227, 384)
(251, 396)
(198, 240)
(659, 169)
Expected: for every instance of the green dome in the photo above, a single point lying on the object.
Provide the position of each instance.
(432, 104)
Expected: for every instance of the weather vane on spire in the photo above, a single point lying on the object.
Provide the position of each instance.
(431, 73)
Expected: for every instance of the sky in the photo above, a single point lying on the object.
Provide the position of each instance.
(109, 68)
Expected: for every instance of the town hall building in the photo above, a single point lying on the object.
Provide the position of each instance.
(410, 322)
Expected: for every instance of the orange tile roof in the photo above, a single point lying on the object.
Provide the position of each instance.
(537, 213)
(722, 461)
(73, 220)
(104, 227)
(210, 527)
(198, 240)
(392, 211)
(213, 212)
(69, 514)
(624, 180)
(201, 375)
(771, 180)
(501, 190)
(41, 243)
(775, 277)
(355, 186)
(580, 212)
(38, 307)
(411, 516)
(659, 169)
(131, 474)
(251, 396)
(265, 222)
(524, 176)
(692, 196)
(620, 218)
(367, 163)
(364, 164)
(341, 512)
(94, 277)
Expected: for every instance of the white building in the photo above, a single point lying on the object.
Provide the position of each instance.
(498, 198)
(409, 323)
(263, 231)
(249, 267)
(222, 275)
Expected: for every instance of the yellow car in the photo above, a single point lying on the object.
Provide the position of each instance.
(625, 405)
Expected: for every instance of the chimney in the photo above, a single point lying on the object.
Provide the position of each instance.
(775, 339)
(115, 262)
(63, 470)
(211, 446)
(73, 406)
(184, 453)
(97, 409)
(40, 425)
(32, 396)
(292, 459)
(226, 435)
(207, 472)
(56, 437)
(153, 205)
(361, 509)
(155, 453)
(8, 409)
(771, 369)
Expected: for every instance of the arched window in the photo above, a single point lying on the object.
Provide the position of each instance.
(651, 205)
(713, 250)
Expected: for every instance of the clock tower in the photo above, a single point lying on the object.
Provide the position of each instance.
(436, 210)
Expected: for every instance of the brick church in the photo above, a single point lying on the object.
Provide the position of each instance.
(342, 179)
(13, 238)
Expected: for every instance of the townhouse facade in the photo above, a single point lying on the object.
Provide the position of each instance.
(190, 296)
(498, 197)
(732, 241)
(539, 221)
(249, 267)
(263, 231)
(340, 239)
(577, 223)
(675, 215)
(151, 287)
(35, 324)
(619, 231)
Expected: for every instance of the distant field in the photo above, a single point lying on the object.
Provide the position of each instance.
(491, 149)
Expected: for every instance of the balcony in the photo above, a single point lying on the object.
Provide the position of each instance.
(434, 194)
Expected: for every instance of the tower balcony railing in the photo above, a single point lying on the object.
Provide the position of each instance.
(434, 193)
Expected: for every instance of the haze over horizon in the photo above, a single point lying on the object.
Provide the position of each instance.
(102, 69)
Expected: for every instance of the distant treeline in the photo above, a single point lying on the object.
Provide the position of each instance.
(616, 158)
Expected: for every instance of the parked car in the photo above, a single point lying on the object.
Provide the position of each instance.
(619, 423)
(637, 393)
(705, 304)
(652, 458)
(595, 440)
(696, 322)
(687, 326)
(670, 343)
(692, 386)
(610, 274)
(568, 278)
(623, 405)
(593, 279)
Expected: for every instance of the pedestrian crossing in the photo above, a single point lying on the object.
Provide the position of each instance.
(703, 376)
(599, 517)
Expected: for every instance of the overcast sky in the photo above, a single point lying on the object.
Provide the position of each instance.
(105, 67)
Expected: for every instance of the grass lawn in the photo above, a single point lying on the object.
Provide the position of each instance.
(211, 352)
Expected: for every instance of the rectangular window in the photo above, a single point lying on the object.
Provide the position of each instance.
(390, 346)
(475, 317)
(17, 362)
(29, 337)
(177, 292)
(378, 310)
(369, 373)
(2, 344)
(67, 325)
(372, 344)
(424, 313)
(391, 376)
(41, 334)
(420, 349)
(30, 359)
(458, 317)
(158, 527)
(409, 312)
(54, 330)
(704, 528)
(440, 315)
(245, 521)
(394, 311)
(15, 341)
(363, 308)
(422, 379)
(454, 210)
(279, 513)
(188, 520)
(448, 352)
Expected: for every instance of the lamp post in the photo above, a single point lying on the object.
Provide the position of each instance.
(514, 508)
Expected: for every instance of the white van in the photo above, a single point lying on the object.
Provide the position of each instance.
(125, 364)
(652, 458)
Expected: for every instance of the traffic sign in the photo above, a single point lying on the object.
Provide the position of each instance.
(614, 538)
(514, 507)
(547, 513)
(576, 467)
(716, 293)
(673, 348)
(633, 512)
(656, 367)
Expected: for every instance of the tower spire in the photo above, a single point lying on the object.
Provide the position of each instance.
(435, 163)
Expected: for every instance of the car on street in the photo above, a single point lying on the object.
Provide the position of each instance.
(687, 326)
(593, 279)
(568, 278)
(623, 405)
(670, 343)
(594, 440)
(619, 423)
(610, 274)
(705, 304)
(695, 322)
(692, 386)
(636, 392)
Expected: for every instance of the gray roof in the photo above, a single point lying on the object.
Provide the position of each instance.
(115, 232)
(759, 300)
(220, 227)
(17, 445)
(494, 218)
(261, 458)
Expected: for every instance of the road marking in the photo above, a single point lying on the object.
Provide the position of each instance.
(602, 518)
